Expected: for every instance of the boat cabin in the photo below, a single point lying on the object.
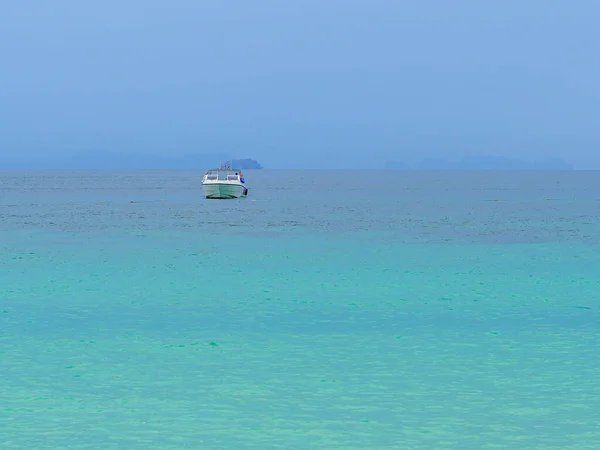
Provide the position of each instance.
(224, 175)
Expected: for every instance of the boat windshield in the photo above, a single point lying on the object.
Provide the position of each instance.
(219, 174)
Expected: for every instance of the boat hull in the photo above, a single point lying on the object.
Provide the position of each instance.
(224, 190)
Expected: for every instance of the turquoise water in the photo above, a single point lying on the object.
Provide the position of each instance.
(408, 310)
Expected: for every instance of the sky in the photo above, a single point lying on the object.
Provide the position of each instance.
(302, 84)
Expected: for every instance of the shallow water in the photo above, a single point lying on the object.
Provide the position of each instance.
(423, 310)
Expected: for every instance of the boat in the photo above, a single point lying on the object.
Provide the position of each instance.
(224, 183)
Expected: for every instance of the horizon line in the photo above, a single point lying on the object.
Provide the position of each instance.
(574, 169)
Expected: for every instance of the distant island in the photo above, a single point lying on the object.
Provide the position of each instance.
(104, 160)
(481, 163)
(246, 164)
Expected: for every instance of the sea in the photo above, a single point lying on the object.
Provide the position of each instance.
(327, 310)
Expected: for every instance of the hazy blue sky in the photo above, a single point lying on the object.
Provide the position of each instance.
(288, 82)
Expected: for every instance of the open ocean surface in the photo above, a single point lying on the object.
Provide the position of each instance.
(328, 310)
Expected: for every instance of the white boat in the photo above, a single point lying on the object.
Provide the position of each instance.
(224, 182)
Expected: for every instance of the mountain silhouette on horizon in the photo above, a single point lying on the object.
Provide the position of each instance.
(107, 160)
(110, 160)
(482, 163)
